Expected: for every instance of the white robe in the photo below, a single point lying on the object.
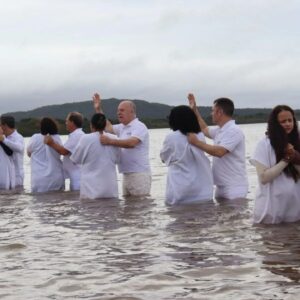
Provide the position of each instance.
(189, 176)
(46, 165)
(15, 142)
(72, 170)
(98, 167)
(279, 200)
(7, 171)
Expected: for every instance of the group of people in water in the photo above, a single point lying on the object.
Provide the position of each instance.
(90, 160)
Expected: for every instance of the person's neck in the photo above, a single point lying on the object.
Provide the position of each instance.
(223, 121)
(10, 131)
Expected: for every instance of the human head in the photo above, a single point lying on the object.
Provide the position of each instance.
(222, 110)
(126, 112)
(74, 120)
(279, 125)
(98, 122)
(7, 124)
(48, 126)
(183, 118)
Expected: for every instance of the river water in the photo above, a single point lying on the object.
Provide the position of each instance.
(54, 246)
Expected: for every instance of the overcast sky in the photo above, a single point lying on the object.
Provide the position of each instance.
(58, 51)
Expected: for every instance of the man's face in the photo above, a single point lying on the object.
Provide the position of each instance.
(216, 114)
(125, 112)
(4, 128)
(69, 125)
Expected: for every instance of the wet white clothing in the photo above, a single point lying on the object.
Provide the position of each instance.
(229, 171)
(98, 167)
(15, 142)
(72, 170)
(46, 166)
(189, 176)
(136, 184)
(134, 160)
(278, 200)
(7, 171)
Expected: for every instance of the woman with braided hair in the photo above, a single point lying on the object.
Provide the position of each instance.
(276, 159)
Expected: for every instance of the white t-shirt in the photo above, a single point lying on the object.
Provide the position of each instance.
(134, 160)
(189, 173)
(229, 171)
(98, 167)
(72, 170)
(279, 200)
(46, 166)
(15, 142)
(7, 171)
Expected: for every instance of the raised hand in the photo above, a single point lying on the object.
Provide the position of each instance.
(192, 101)
(97, 102)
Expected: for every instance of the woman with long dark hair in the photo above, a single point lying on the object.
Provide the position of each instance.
(189, 176)
(46, 165)
(276, 159)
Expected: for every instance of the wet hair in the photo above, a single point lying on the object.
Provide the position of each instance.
(8, 120)
(98, 121)
(48, 126)
(76, 118)
(226, 105)
(279, 138)
(183, 118)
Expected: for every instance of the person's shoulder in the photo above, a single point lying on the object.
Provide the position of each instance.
(136, 122)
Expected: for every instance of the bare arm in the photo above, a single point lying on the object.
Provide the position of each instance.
(48, 140)
(126, 143)
(213, 150)
(98, 109)
(202, 123)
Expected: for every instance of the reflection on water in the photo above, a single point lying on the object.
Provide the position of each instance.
(55, 246)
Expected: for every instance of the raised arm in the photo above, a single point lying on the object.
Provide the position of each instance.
(98, 109)
(193, 106)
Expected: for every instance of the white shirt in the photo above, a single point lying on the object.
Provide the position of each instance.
(98, 167)
(7, 171)
(134, 160)
(189, 173)
(46, 166)
(15, 142)
(72, 170)
(279, 200)
(230, 170)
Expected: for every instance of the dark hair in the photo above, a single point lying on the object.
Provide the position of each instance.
(98, 121)
(48, 126)
(183, 118)
(279, 138)
(76, 118)
(226, 105)
(8, 120)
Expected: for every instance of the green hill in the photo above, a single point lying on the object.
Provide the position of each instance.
(154, 115)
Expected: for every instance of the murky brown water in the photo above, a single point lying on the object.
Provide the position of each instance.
(54, 246)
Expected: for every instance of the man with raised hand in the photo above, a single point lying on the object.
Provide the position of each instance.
(74, 123)
(133, 139)
(14, 141)
(228, 151)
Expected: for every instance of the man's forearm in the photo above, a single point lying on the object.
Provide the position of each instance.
(59, 149)
(213, 150)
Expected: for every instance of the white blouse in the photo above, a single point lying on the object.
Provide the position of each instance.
(46, 165)
(98, 167)
(189, 176)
